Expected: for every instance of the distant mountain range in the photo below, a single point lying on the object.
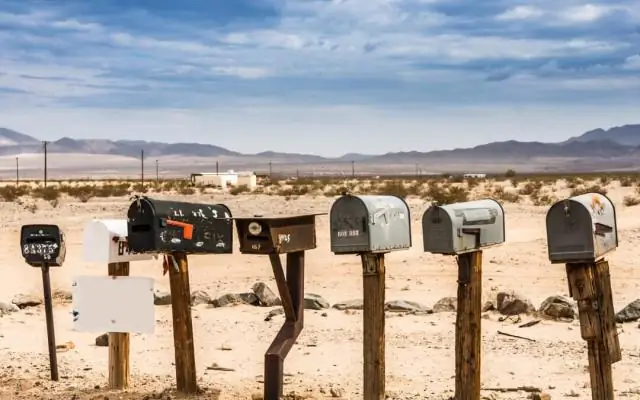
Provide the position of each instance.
(621, 142)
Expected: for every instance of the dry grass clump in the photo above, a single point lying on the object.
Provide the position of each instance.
(499, 193)
(580, 190)
(630, 201)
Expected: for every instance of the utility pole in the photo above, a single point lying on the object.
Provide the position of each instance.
(142, 167)
(270, 172)
(157, 173)
(217, 168)
(353, 169)
(17, 172)
(45, 143)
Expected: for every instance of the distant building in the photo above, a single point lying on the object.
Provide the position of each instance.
(477, 176)
(224, 179)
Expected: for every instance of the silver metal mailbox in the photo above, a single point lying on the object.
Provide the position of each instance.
(581, 229)
(463, 227)
(369, 224)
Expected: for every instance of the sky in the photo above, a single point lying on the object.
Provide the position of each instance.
(324, 77)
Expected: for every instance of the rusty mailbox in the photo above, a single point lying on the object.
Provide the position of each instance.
(276, 235)
(369, 224)
(161, 226)
(581, 229)
(43, 245)
(463, 227)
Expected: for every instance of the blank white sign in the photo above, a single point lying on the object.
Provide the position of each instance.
(104, 304)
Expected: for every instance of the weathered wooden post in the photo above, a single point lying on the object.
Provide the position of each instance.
(580, 231)
(371, 226)
(463, 230)
(43, 246)
(105, 241)
(177, 229)
(290, 235)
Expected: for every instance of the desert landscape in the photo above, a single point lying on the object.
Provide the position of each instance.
(231, 335)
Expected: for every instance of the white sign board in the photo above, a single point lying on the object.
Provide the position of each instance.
(105, 241)
(103, 304)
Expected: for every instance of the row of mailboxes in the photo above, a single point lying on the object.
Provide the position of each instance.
(579, 229)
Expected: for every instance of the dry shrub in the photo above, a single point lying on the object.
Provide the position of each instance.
(446, 194)
(392, 188)
(626, 182)
(12, 193)
(531, 188)
(631, 201)
(140, 188)
(236, 190)
(542, 200)
(48, 193)
(605, 180)
(590, 189)
(505, 196)
(186, 191)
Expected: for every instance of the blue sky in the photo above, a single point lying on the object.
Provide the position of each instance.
(319, 76)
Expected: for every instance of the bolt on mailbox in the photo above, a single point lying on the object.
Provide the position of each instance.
(369, 224)
(463, 227)
(581, 229)
(161, 226)
(43, 244)
(276, 235)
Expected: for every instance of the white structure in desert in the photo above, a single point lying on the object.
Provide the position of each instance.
(225, 179)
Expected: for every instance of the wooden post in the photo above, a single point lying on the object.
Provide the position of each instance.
(182, 325)
(373, 281)
(118, 343)
(468, 326)
(291, 289)
(590, 286)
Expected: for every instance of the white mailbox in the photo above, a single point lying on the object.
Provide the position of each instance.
(105, 241)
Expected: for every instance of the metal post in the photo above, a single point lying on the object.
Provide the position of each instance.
(142, 167)
(17, 171)
(157, 173)
(270, 171)
(217, 168)
(353, 169)
(48, 309)
(45, 162)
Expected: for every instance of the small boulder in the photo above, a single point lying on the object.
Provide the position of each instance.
(406, 306)
(559, 307)
(26, 300)
(200, 297)
(510, 303)
(161, 298)
(102, 340)
(630, 313)
(315, 302)
(357, 304)
(7, 308)
(265, 295)
(273, 313)
(446, 304)
(230, 299)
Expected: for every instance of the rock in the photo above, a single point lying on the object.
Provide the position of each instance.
(559, 307)
(488, 306)
(403, 305)
(26, 300)
(446, 304)
(540, 396)
(315, 302)
(357, 304)
(630, 313)
(231, 299)
(7, 308)
(274, 313)
(102, 340)
(510, 303)
(161, 298)
(62, 295)
(200, 297)
(265, 295)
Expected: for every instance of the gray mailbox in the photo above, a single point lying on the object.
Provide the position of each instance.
(369, 224)
(581, 229)
(463, 227)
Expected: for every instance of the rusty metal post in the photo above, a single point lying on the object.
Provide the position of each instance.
(291, 289)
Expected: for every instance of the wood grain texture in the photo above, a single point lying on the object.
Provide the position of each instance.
(373, 276)
(119, 342)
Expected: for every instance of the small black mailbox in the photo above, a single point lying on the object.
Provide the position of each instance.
(161, 226)
(43, 244)
(277, 235)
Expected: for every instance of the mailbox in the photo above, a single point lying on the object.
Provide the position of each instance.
(276, 235)
(105, 241)
(161, 226)
(581, 229)
(463, 227)
(43, 244)
(369, 224)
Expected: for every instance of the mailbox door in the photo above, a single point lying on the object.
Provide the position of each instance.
(389, 223)
(437, 231)
(349, 224)
(143, 226)
(570, 236)
(485, 217)
(294, 234)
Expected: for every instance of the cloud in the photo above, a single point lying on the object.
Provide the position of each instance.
(391, 54)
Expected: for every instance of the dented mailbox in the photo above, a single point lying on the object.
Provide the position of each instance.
(581, 229)
(463, 227)
(276, 235)
(369, 224)
(160, 226)
(105, 241)
(43, 244)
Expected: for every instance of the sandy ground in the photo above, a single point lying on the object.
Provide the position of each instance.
(328, 354)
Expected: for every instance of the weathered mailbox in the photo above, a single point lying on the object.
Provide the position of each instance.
(369, 224)
(276, 235)
(105, 241)
(43, 245)
(161, 226)
(463, 227)
(581, 229)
